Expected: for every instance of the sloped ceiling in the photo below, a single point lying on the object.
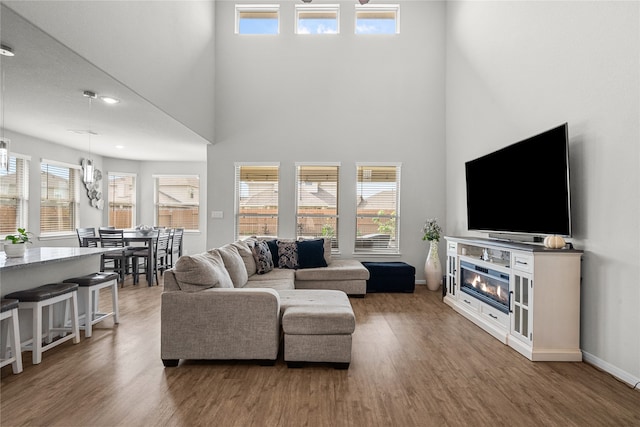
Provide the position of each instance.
(162, 51)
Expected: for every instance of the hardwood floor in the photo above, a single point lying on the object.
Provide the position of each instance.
(415, 362)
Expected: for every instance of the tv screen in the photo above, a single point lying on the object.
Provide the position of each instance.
(522, 188)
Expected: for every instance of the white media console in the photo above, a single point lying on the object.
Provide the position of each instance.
(527, 296)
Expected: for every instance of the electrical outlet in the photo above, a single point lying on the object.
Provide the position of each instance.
(217, 214)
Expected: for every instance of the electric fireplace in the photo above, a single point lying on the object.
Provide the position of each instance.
(487, 285)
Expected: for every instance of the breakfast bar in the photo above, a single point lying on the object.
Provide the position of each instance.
(40, 266)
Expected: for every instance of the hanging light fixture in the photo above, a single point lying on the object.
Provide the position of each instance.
(4, 142)
(87, 164)
(4, 154)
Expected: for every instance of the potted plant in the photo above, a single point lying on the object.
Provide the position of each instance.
(432, 268)
(18, 243)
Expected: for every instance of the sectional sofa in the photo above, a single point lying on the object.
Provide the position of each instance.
(232, 303)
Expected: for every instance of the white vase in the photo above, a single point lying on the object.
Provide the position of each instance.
(432, 267)
(14, 250)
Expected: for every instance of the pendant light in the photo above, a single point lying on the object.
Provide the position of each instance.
(87, 164)
(4, 142)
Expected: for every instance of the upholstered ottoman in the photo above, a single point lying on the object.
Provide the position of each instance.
(317, 326)
(390, 277)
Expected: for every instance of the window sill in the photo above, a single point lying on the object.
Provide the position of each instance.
(56, 236)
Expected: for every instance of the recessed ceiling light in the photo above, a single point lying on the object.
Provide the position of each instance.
(6, 51)
(109, 100)
(119, 147)
(82, 131)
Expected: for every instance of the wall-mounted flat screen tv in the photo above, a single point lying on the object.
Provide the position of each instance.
(522, 188)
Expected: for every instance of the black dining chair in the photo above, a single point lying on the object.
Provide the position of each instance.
(175, 247)
(117, 260)
(86, 232)
(160, 253)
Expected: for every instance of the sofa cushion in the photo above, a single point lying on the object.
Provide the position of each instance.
(197, 272)
(234, 264)
(244, 249)
(287, 254)
(340, 269)
(262, 255)
(311, 253)
(278, 285)
(281, 274)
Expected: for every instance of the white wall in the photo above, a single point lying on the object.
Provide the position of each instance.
(163, 50)
(335, 98)
(517, 68)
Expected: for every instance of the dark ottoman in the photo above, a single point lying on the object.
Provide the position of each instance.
(390, 277)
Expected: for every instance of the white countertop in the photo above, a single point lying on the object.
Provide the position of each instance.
(45, 255)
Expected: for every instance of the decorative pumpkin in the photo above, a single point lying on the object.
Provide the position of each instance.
(554, 242)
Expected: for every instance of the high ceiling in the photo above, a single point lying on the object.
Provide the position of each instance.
(43, 97)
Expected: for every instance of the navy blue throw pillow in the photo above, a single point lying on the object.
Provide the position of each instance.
(273, 247)
(311, 253)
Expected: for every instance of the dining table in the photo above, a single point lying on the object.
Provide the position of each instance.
(149, 239)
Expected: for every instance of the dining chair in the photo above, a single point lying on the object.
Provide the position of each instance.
(119, 259)
(175, 247)
(86, 232)
(160, 253)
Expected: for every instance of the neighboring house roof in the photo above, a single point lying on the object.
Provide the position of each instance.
(384, 200)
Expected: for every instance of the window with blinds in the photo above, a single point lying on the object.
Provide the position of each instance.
(257, 19)
(178, 201)
(377, 19)
(59, 198)
(256, 200)
(122, 200)
(378, 208)
(318, 19)
(317, 202)
(14, 196)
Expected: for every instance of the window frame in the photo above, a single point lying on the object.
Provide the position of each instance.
(377, 8)
(256, 8)
(391, 249)
(335, 246)
(135, 197)
(237, 182)
(156, 202)
(317, 8)
(22, 196)
(74, 202)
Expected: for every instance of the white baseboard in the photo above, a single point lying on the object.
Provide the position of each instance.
(610, 369)
(421, 282)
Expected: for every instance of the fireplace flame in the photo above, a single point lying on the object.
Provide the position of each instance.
(475, 281)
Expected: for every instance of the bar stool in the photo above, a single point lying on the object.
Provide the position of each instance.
(89, 289)
(11, 332)
(41, 298)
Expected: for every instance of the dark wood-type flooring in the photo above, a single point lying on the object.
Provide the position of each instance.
(415, 363)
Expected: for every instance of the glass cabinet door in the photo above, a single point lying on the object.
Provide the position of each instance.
(520, 307)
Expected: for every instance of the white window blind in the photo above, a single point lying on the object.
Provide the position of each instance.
(14, 196)
(317, 202)
(378, 208)
(317, 19)
(178, 201)
(122, 200)
(256, 200)
(377, 19)
(257, 19)
(59, 197)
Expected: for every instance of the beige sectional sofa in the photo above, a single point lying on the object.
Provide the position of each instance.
(215, 305)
